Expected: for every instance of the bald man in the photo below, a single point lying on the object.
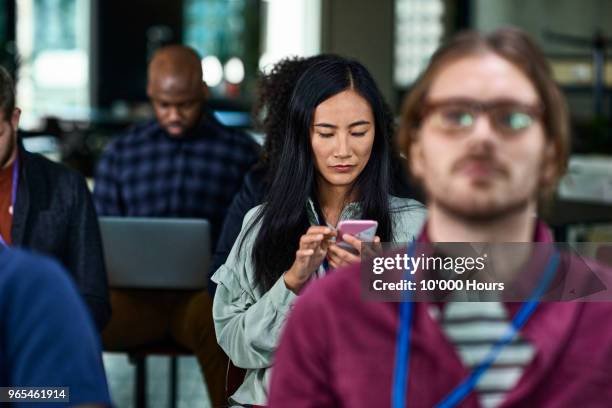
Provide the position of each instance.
(182, 164)
(176, 89)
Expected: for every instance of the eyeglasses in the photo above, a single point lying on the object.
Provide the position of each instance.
(459, 115)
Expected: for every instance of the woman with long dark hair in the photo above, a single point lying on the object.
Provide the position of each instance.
(271, 111)
(334, 165)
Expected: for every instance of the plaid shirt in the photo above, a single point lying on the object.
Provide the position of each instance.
(147, 173)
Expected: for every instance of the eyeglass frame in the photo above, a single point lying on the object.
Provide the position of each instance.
(536, 111)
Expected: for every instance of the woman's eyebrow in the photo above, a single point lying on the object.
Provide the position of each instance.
(358, 123)
(326, 125)
(329, 125)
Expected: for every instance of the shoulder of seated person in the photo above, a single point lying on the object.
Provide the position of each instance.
(136, 131)
(252, 213)
(31, 271)
(58, 172)
(255, 178)
(236, 135)
(246, 141)
(401, 203)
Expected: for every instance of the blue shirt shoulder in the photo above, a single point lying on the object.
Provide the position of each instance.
(47, 337)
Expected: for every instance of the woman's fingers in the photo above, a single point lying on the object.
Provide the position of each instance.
(311, 250)
(316, 236)
(335, 261)
(342, 255)
(372, 248)
(310, 241)
(352, 241)
(304, 253)
(319, 229)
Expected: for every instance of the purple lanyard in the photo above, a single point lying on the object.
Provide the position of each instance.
(13, 193)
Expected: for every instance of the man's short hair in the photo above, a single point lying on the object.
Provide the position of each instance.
(519, 49)
(7, 94)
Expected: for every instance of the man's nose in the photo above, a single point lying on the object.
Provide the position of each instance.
(483, 134)
(484, 127)
(174, 114)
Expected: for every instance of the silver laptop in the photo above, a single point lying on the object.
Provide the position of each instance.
(156, 253)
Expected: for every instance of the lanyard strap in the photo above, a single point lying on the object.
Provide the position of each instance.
(15, 179)
(402, 351)
(462, 390)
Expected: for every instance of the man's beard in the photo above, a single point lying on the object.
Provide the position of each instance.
(482, 214)
(482, 210)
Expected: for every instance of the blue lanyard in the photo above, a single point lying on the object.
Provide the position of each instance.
(402, 351)
(13, 193)
(402, 355)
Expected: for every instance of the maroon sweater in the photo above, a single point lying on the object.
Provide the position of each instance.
(338, 351)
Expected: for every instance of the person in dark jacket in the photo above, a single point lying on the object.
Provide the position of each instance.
(46, 207)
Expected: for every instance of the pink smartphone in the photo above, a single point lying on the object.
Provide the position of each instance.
(364, 230)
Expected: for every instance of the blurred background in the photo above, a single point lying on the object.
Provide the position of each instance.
(81, 65)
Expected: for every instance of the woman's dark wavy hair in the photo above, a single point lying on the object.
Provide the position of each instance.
(271, 109)
(283, 217)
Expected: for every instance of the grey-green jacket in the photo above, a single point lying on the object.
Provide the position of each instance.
(248, 322)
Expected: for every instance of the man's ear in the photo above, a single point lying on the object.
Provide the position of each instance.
(15, 118)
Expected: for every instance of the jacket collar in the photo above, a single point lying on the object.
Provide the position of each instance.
(22, 201)
(351, 211)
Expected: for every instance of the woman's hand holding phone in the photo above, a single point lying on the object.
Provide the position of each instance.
(339, 257)
(311, 252)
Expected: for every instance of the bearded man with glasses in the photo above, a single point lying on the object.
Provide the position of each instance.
(485, 129)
